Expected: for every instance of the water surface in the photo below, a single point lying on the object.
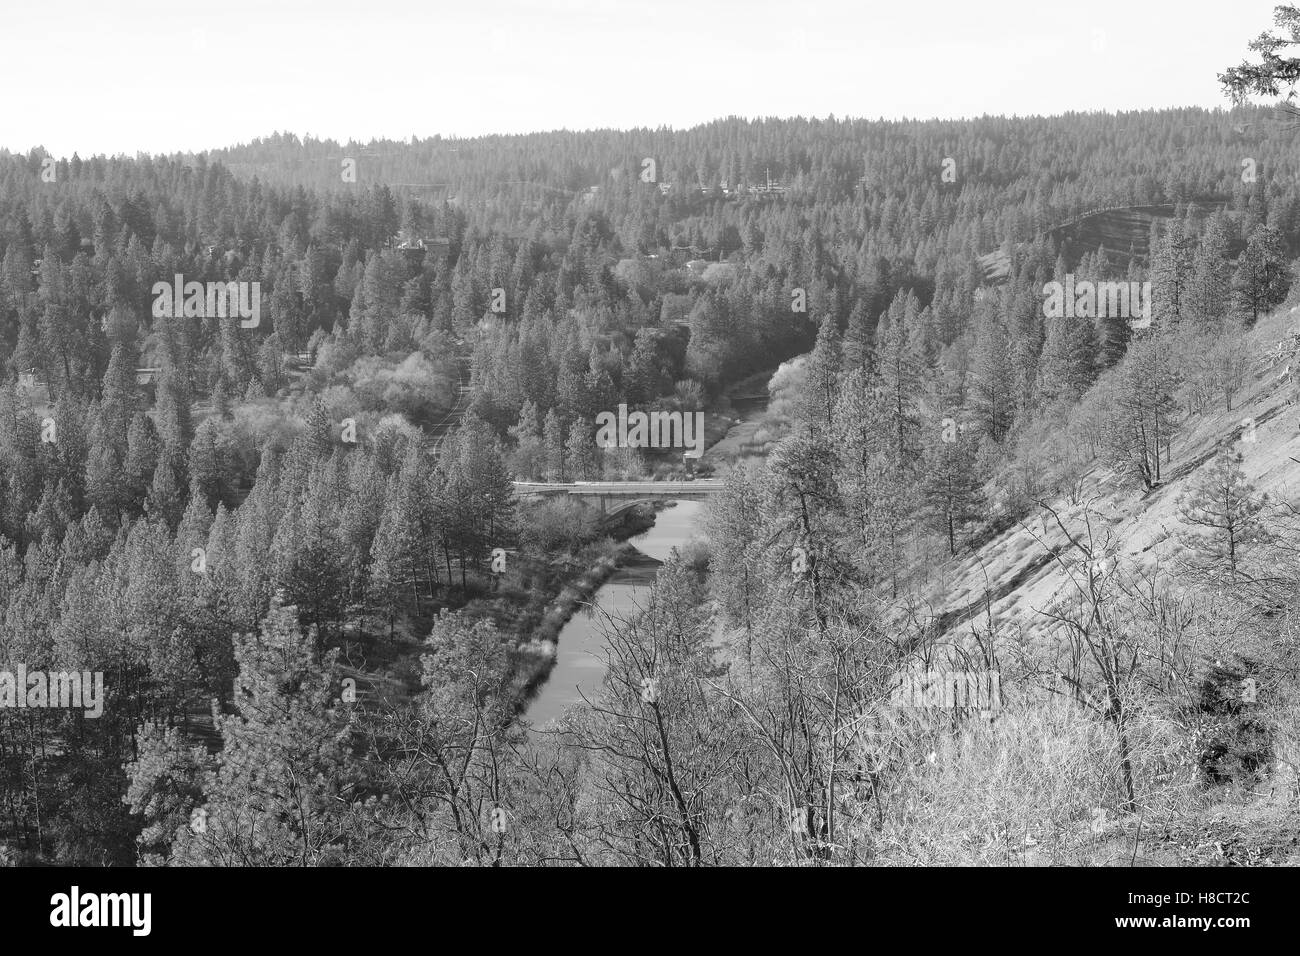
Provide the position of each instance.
(580, 656)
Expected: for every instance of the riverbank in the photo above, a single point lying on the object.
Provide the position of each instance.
(537, 656)
(538, 627)
(746, 403)
(578, 659)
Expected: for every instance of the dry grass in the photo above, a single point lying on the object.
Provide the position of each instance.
(1039, 785)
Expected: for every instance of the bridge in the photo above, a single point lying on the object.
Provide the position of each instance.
(627, 493)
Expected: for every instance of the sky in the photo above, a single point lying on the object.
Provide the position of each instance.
(162, 76)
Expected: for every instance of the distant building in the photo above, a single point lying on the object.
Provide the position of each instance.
(416, 249)
(772, 187)
(33, 388)
(297, 361)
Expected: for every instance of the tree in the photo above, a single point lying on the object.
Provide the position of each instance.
(1226, 504)
(553, 436)
(1263, 277)
(172, 409)
(163, 502)
(649, 373)
(802, 506)
(1141, 413)
(1208, 293)
(205, 458)
(1171, 275)
(141, 458)
(580, 451)
(659, 740)
(821, 385)
(166, 787)
(734, 530)
(950, 487)
(450, 763)
(392, 555)
(320, 429)
(1068, 364)
(286, 777)
(858, 346)
(529, 457)
(900, 373)
(991, 388)
(1267, 77)
(478, 497)
(287, 316)
(875, 487)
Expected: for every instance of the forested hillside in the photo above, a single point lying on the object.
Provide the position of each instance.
(289, 538)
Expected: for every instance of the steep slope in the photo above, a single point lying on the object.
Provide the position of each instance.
(1124, 231)
(1014, 577)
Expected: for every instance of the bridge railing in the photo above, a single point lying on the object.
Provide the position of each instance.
(698, 486)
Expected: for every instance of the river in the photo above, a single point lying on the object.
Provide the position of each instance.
(580, 654)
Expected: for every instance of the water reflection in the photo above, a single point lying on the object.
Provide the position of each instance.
(580, 656)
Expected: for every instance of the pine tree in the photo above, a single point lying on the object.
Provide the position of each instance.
(479, 495)
(553, 436)
(529, 457)
(991, 390)
(1141, 417)
(900, 374)
(1068, 364)
(141, 458)
(106, 488)
(950, 487)
(163, 502)
(193, 531)
(1171, 275)
(165, 788)
(821, 387)
(646, 377)
(172, 410)
(859, 346)
(281, 790)
(1263, 277)
(320, 430)
(205, 458)
(287, 318)
(734, 533)
(394, 558)
(1208, 291)
(1226, 504)
(801, 502)
(580, 451)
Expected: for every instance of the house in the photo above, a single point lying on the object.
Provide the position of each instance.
(416, 248)
(36, 390)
